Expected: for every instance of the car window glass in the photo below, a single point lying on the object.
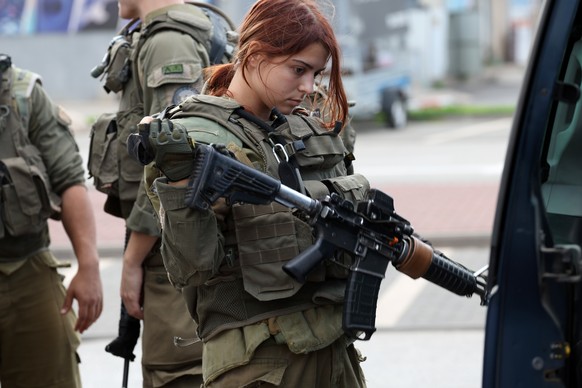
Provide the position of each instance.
(562, 159)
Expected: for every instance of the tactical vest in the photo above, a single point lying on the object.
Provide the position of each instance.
(261, 238)
(27, 198)
(113, 171)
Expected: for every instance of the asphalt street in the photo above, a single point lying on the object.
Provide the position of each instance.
(419, 325)
(444, 178)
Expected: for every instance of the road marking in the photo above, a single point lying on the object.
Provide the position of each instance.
(470, 131)
(397, 299)
(400, 295)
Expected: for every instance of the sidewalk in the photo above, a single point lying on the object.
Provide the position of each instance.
(496, 86)
(449, 214)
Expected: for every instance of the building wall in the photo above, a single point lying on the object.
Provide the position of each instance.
(64, 61)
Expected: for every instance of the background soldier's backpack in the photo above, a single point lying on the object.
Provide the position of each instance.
(115, 70)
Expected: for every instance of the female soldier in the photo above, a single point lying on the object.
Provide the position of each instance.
(258, 326)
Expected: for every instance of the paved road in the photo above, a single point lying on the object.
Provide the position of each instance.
(419, 327)
(426, 336)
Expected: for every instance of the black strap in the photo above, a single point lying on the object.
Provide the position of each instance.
(218, 38)
(288, 170)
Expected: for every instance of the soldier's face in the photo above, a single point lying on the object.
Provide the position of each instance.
(283, 82)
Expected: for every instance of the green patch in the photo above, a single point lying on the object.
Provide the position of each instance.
(460, 111)
(173, 69)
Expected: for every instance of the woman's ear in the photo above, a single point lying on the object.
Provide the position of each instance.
(255, 58)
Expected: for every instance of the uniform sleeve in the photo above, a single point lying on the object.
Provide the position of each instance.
(172, 64)
(143, 216)
(193, 246)
(49, 132)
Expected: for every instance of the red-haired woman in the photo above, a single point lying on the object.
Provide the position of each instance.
(260, 327)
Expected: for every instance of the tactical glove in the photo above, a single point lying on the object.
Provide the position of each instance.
(167, 144)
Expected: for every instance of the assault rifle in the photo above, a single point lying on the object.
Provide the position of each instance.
(369, 230)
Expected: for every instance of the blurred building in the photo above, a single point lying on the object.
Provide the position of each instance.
(432, 39)
(435, 39)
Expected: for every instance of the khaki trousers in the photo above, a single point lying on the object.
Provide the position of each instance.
(37, 344)
(165, 316)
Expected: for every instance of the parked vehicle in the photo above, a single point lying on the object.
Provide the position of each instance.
(379, 91)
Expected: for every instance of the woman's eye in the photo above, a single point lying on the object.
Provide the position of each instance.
(299, 70)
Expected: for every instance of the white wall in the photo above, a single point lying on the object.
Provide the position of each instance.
(428, 44)
(63, 60)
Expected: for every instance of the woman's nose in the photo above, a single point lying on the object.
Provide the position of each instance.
(307, 86)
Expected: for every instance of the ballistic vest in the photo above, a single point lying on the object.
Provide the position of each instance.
(261, 238)
(28, 200)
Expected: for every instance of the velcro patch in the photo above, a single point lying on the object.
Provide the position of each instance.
(173, 69)
(183, 93)
(62, 116)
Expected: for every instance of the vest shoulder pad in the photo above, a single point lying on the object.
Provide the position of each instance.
(205, 106)
(193, 18)
(188, 20)
(207, 131)
(24, 81)
(210, 115)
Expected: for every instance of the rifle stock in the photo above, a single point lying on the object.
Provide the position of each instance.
(372, 233)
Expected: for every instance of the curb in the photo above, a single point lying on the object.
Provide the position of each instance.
(476, 240)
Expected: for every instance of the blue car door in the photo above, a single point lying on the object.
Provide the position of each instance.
(533, 321)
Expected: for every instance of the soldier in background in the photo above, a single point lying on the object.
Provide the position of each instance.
(42, 176)
(156, 61)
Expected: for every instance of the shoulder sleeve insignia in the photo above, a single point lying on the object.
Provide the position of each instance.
(182, 93)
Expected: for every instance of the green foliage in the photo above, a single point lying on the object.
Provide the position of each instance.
(435, 113)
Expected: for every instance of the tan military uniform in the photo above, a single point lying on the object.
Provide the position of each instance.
(166, 66)
(37, 344)
(257, 324)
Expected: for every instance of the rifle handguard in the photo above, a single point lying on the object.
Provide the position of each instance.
(418, 259)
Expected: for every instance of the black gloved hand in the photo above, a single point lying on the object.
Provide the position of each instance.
(167, 144)
(173, 149)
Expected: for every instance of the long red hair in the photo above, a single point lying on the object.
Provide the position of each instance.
(283, 28)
